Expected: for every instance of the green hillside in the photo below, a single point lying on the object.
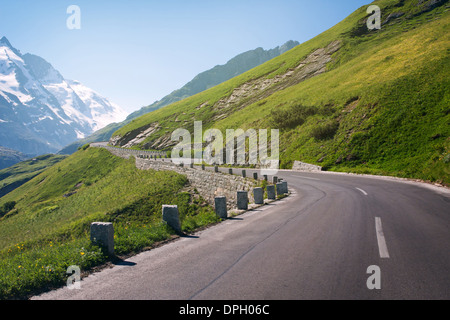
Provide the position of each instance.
(44, 224)
(8, 157)
(380, 106)
(349, 100)
(207, 79)
(16, 175)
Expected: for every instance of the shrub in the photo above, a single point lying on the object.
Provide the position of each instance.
(292, 117)
(86, 146)
(7, 207)
(325, 130)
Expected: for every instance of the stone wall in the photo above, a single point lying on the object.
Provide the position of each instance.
(208, 183)
(125, 153)
(302, 166)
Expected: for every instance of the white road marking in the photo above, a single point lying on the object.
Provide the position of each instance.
(365, 193)
(380, 238)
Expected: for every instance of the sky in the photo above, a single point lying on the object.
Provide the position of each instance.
(136, 52)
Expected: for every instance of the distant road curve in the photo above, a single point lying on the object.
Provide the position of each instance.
(316, 244)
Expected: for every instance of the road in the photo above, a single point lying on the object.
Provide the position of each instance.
(318, 243)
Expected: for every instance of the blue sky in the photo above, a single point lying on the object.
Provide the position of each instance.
(135, 52)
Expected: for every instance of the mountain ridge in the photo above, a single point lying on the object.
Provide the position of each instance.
(41, 111)
(203, 81)
(380, 103)
(344, 117)
(218, 74)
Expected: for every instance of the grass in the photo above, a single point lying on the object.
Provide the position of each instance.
(47, 231)
(16, 175)
(382, 107)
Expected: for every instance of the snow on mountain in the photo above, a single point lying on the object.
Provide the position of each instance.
(103, 111)
(43, 112)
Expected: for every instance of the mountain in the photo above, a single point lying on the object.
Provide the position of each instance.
(8, 157)
(350, 99)
(40, 111)
(221, 73)
(16, 175)
(203, 81)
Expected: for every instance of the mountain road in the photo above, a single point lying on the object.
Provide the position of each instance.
(321, 242)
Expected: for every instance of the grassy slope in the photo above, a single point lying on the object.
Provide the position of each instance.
(100, 135)
(386, 98)
(16, 175)
(9, 157)
(47, 232)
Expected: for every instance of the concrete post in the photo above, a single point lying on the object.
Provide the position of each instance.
(221, 207)
(285, 186)
(279, 189)
(242, 200)
(271, 192)
(171, 217)
(258, 195)
(102, 234)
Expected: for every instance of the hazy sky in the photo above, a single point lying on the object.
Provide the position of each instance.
(135, 52)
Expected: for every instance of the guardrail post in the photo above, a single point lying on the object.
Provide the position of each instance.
(279, 189)
(271, 192)
(242, 200)
(258, 195)
(285, 186)
(220, 204)
(102, 234)
(171, 217)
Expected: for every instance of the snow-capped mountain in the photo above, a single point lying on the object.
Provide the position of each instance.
(42, 112)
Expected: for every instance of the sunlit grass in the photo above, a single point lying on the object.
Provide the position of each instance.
(47, 232)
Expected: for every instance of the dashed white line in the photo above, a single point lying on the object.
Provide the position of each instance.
(380, 238)
(363, 192)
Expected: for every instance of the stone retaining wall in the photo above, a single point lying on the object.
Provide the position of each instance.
(125, 153)
(302, 166)
(208, 183)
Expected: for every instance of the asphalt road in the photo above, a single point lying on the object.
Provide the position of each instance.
(316, 244)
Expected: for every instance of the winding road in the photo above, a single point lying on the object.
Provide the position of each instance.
(318, 243)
